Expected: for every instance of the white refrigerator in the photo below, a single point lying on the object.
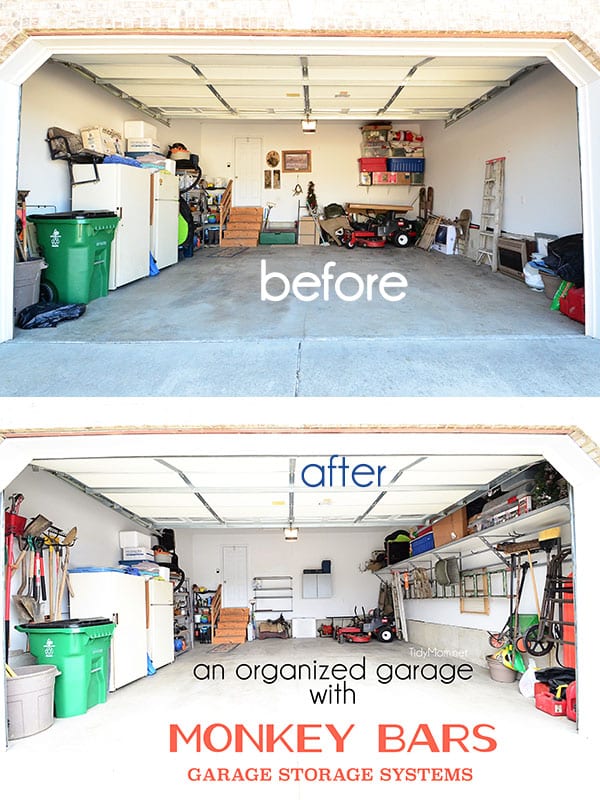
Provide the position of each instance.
(164, 219)
(159, 605)
(126, 191)
(121, 598)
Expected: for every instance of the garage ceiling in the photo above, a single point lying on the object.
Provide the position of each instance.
(269, 492)
(281, 87)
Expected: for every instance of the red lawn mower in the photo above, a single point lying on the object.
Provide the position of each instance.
(363, 629)
(376, 231)
(401, 232)
(364, 238)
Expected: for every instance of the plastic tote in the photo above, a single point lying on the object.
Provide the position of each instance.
(79, 649)
(77, 248)
(30, 700)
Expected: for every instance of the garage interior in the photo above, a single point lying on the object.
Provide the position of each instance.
(207, 308)
(296, 528)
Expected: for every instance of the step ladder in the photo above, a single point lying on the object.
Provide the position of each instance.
(398, 602)
(491, 213)
(314, 213)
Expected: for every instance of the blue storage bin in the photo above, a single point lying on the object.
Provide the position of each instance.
(406, 165)
(422, 544)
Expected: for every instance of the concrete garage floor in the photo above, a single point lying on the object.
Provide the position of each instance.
(124, 743)
(201, 328)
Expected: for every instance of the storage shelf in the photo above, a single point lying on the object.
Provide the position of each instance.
(184, 620)
(203, 630)
(553, 514)
(278, 587)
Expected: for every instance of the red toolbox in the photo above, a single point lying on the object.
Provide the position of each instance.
(572, 304)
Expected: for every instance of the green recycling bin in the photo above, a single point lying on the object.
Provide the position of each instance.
(79, 649)
(77, 247)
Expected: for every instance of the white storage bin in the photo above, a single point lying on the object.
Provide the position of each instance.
(135, 539)
(137, 128)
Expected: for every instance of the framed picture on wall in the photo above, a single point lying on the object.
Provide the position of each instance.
(276, 179)
(268, 181)
(296, 161)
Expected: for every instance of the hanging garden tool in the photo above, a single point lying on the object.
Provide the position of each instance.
(511, 632)
(65, 547)
(26, 604)
(13, 526)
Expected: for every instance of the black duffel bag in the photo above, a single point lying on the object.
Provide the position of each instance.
(565, 257)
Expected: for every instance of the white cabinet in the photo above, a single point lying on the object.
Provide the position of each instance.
(316, 585)
(121, 598)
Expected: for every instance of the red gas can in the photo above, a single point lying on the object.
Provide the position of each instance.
(572, 701)
(545, 701)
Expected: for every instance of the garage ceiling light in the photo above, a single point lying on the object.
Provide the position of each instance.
(309, 125)
(291, 534)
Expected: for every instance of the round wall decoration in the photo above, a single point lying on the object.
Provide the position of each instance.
(272, 158)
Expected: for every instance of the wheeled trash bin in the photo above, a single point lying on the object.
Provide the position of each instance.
(77, 247)
(79, 649)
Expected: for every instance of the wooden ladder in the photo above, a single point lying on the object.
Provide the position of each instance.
(491, 213)
(399, 613)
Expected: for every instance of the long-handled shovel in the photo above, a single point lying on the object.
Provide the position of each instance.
(66, 544)
(10, 516)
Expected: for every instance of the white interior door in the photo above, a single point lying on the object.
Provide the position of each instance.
(248, 172)
(235, 577)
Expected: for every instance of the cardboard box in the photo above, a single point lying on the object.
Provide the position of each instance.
(102, 140)
(450, 528)
(385, 178)
(143, 145)
(138, 129)
(404, 178)
(308, 233)
(307, 239)
(306, 225)
(137, 553)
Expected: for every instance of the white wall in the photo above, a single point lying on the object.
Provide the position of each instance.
(270, 554)
(335, 150)
(98, 527)
(56, 97)
(534, 125)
